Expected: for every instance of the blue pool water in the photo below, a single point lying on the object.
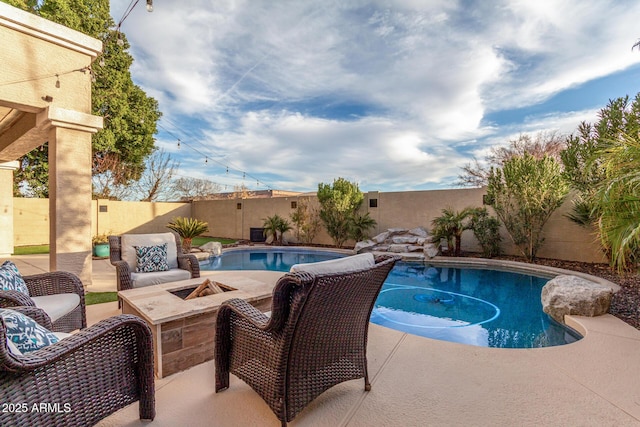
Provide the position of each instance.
(280, 259)
(488, 308)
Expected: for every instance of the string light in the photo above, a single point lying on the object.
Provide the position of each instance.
(206, 160)
(47, 76)
(149, 6)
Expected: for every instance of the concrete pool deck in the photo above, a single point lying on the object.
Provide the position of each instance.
(421, 382)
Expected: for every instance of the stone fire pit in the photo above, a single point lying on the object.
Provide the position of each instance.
(184, 330)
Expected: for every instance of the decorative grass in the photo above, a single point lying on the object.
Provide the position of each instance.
(31, 250)
(100, 297)
(199, 241)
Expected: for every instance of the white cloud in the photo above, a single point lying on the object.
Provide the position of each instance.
(388, 93)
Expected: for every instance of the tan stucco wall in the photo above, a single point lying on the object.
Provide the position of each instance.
(408, 209)
(135, 217)
(564, 239)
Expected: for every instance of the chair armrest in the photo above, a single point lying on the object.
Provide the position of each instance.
(100, 338)
(113, 358)
(9, 299)
(37, 314)
(244, 310)
(123, 275)
(55, 282)
(190, 263)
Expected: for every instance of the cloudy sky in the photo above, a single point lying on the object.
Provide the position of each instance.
(395, 95)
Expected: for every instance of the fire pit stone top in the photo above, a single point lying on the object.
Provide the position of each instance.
(157, 304)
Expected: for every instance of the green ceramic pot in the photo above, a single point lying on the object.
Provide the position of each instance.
(101, 250)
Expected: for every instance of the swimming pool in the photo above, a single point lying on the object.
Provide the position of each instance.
(482, 307)
(276, 259)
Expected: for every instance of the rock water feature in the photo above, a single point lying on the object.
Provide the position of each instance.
(400, 240)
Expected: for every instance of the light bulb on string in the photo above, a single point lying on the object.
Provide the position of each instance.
(58, 81)
(206, 160)
(178, 144)
(149, 5)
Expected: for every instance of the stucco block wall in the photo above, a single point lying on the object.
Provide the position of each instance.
(116, 217)
(31, 218)
(30, 221)
(563, 239)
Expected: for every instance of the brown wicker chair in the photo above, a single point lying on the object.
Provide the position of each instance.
(123, 271)
(315, 338)
(80, 379)
(56, 282)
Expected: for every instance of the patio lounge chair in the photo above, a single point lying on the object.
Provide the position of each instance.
(59, 293)
(123, 256)
(315, 338)
(80, 379)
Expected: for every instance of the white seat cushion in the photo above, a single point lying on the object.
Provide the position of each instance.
(128, 252)
(62, 335)
(57, 305)
(140, 280)
(340, 265)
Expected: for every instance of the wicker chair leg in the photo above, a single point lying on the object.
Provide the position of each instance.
(222, 381)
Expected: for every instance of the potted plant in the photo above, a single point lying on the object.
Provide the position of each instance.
(100, 245)
(188, 228)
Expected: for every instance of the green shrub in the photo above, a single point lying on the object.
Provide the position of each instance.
(487, 230)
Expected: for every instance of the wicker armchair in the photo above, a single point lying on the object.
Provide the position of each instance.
(315, 338)
(80, 379)
(49, 284)
(124, 279)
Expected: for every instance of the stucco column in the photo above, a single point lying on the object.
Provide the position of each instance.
(6, 207)
(70, 192)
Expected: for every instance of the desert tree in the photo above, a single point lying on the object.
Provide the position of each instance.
(189, 188)
(524, 194)
(306, 220)
(156, 180)
(545, 143)
(339, 203)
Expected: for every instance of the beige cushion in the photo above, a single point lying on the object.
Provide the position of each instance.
(12, 348)
(140, 280)
(340, 265)
(128, 252)
(62, 335)
(57, 305)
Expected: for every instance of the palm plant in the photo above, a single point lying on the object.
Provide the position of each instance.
(276, 226)
(450, 226)
(359, 225)
(188, 228)
(618, 201)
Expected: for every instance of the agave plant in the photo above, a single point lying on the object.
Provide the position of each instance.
(188, 228)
